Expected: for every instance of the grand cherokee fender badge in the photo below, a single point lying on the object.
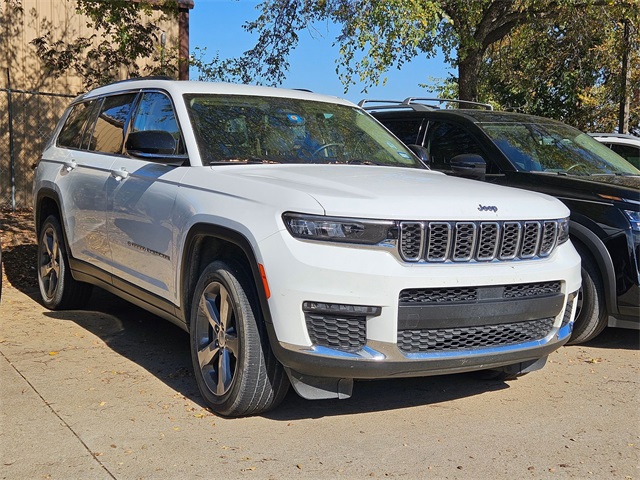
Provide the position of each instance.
(487, 208)
(148, 250)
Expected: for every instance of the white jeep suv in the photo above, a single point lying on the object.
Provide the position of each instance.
(297, 240)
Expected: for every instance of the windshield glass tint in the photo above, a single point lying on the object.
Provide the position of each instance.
(555, 148)
(234, 129)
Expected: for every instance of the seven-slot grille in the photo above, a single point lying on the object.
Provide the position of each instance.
(480, 241)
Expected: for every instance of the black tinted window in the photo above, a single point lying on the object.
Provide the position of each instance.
(555, 148)
(628, 152)
(108, 133)
(407, 130)
(445, 141)
(71, 134)
(155, 112)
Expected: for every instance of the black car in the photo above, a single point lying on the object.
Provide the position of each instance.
(600, 188)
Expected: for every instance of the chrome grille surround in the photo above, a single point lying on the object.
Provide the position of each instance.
(467, 241)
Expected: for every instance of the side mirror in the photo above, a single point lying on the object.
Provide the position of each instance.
(469, 165)
(155, 146)
(421, 152)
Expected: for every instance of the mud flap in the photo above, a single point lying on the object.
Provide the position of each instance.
(320, 388)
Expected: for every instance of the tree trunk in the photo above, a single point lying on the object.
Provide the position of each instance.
(468, 74)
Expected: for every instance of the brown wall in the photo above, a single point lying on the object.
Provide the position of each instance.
(33, 116)
(18, 29)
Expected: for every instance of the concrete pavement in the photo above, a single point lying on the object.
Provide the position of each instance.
(108, 393)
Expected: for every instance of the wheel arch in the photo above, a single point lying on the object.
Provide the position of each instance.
(205, 243)
(589, 241)
(47, 203)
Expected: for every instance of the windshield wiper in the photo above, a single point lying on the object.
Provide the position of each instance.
(361, 162)
(243, 161)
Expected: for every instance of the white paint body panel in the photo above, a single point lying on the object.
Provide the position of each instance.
(134, 226)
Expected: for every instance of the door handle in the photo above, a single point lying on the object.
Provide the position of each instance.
(120, 174)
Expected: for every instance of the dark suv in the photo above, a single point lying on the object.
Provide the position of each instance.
(599, 187)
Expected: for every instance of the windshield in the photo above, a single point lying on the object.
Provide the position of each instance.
(247, 129)
(555, 148)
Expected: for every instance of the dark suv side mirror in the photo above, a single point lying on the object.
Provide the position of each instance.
(469, 165)
(421, 152)
(154, 145)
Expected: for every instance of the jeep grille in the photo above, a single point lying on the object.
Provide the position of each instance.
(476, 241)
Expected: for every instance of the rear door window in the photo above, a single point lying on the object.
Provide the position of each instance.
(108, 133)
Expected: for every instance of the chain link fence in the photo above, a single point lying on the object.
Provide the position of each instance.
(27, 120)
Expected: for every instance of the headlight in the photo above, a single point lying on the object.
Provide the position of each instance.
(337, 229)
(563, 230)
(634, 219)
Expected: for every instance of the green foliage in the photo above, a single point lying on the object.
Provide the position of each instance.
(568, 68)
(123, 32)
(377, 36)
(558, 58)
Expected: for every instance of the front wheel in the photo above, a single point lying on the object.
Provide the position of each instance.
(591, 314)
(58, 289)
(236, 372)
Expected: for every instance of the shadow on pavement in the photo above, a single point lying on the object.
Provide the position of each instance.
(162, 349)
(19, 264)
(616, 338)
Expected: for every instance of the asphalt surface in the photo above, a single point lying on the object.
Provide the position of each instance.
(108, 393)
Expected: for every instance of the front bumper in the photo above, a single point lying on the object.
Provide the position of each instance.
(352, 276)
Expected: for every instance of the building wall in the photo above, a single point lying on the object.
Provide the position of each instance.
(31, 101)
(19, 27)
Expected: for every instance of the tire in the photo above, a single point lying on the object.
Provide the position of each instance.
(235, 369)
(58, 289)
(591, 314)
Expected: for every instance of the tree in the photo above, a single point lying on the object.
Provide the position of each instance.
(570, 68)
(376, 36)
(124, 32)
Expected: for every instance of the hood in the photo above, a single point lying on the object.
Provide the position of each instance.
(390, 193)
(624, 181)
(577, 187)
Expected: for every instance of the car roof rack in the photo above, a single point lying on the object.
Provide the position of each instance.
(614, 135)
(134, 79)
(415, 103)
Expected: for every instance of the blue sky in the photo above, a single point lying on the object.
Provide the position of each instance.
(217, 25)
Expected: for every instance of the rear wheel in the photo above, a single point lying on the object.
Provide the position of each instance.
(236, 372)
(591, 314)
(59, 290)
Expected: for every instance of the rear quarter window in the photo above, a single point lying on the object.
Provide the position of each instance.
(74, 128)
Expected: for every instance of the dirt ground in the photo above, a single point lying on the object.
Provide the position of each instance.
(108, 393)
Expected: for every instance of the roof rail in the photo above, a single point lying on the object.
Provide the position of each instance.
(414, 103)
(392, 104)
(151, 77)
